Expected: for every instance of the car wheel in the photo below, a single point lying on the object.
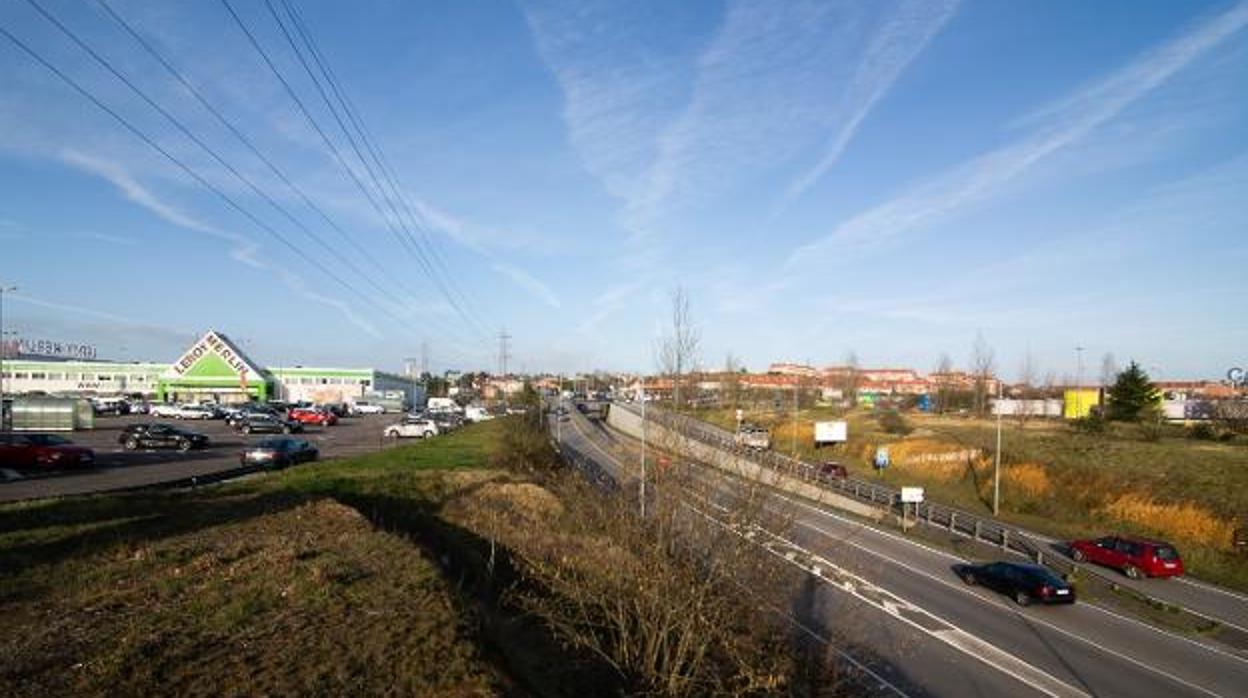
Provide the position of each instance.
(246, 429)
(968, 578)
(1078, 555)
(1132, 571)
(286, 430)
(131, 444)
(184, 445)
(1022, 598)
(428, 435)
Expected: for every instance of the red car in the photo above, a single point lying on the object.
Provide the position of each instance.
(1136, 557)
(33, 451)
(307, 415)
(831, 470)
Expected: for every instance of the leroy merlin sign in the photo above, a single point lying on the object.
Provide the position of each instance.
(212, 344)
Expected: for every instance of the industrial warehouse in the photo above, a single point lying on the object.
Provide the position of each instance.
(212, 369)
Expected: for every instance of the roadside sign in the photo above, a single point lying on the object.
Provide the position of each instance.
(911, 495)
(881, 457)
(831, 432)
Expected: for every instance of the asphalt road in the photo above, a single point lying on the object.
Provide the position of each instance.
(926, 633)
(117, 468)
(1223, 605)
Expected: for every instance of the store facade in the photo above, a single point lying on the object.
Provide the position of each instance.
(213, 369)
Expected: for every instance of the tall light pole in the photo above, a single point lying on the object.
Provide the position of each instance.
(1079, 381)
(796, 391)
(996, 468)
(3, 290)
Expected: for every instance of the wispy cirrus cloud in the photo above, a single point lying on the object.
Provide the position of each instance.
(120, 240)
(243, 250)
(665, 126)
(900, 39)
(529, 283)
(1065, 123)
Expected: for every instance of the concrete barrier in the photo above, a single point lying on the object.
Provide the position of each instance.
(629, 423)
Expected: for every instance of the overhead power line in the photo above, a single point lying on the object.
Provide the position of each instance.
(192, 173)
(414, 217)
(405, 243)
(277, 171)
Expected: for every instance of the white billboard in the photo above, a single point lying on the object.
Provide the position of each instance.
(831, 432)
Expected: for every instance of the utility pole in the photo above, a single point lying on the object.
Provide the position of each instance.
(3, 290)
(1079, 381)
(503, 352)
(424, 359)
(796, 392)
(996, 468)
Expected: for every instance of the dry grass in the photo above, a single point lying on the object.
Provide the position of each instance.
(1181, 521)
(1031, 479)
(304, 599)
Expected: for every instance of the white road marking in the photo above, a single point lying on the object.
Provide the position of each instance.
(951, 635)
(1030, 617)
(1098, 607)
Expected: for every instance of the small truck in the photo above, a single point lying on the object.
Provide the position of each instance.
(753, 437)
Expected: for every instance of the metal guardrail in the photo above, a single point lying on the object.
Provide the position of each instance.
(979, 528)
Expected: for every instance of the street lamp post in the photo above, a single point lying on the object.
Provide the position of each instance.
(643, 447)
(3, 290)
(996, 468)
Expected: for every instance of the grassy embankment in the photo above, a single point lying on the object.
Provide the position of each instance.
(1056, 480)
(471, 564)
(289, 583)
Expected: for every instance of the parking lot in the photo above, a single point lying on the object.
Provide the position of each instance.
(117, 468)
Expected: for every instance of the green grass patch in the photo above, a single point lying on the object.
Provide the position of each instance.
(271, 585)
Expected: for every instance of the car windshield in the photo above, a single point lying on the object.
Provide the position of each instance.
(1165, 552)
(275, 444)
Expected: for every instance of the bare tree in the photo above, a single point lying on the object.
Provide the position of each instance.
(678, 351)
(944, 390)
(1027, 373)
(730, 383)
(851, 379)
(983, 362)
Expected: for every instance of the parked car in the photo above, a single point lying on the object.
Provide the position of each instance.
(37, 451)
(163, 409)
(250, 408)
(337, 409)
(414, 428)
(267, 424)
(160, 436)
(1024, 581)
(364, 407)
(310, 415)
(446, 421)
(183, 411)
(831, 470)
(1135, 557)
(139, 407)
(753, 437)
(278, 453)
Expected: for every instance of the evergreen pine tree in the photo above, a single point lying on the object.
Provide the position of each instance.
(1133, 395)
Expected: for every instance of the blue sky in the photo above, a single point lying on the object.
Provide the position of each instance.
(888, 178)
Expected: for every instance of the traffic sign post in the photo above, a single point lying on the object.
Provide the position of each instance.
(910, 497)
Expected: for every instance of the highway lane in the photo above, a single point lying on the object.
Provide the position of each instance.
(901, 659)
(1096, 650)
(1223, 605)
